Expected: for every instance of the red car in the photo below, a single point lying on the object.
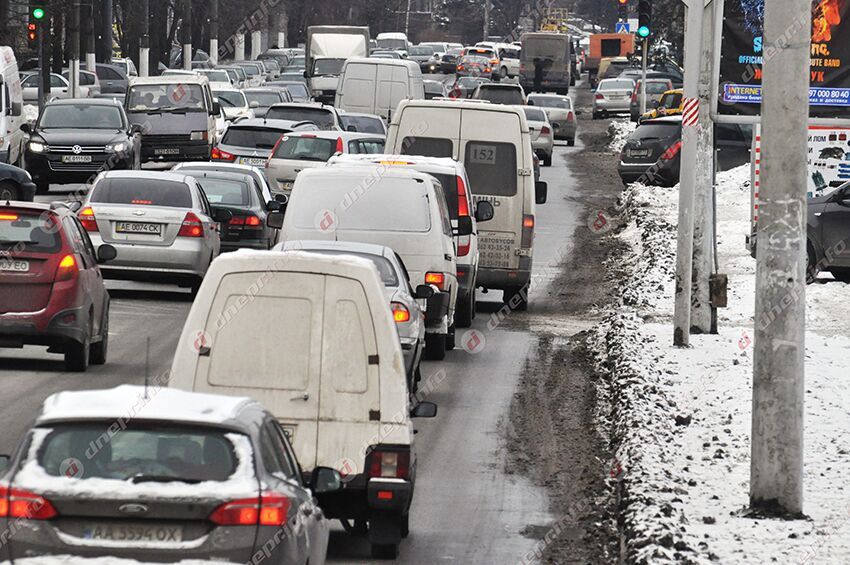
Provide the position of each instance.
(51, 289)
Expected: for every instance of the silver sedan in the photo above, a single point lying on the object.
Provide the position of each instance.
(161, 223)
(403, 299)
(542, 134)
(612, 96)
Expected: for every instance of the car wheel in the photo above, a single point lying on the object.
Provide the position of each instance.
(842, 275)
(77, 356)
(8, 191)
(97, 354)
(595, 115)
(465, 310)
(435, 346)
(547, 160)
(571, 141)
(811, 265)
(504, 72)
(358, 529)
(450, 338)
(405, 525)
(195, 286)
(384, 550)
(511, 292)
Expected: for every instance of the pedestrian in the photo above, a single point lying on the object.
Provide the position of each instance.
(538, 74)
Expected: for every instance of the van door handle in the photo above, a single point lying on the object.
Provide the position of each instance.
(305, 397)
(448, 257)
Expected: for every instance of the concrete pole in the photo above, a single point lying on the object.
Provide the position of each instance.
(186, 34)
(644, 62)
(256, 44)
(407, 20)
(239, 47)
(74, 39)
(214, 31)
(702, 314)
(776, 467)
(88, 35)
(107, 31)
(487, 4)
(685, 243)
(145, 40)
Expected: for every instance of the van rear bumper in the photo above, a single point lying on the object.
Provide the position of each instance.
(503, 278)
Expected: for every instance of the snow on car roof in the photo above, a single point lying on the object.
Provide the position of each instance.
(160, 403)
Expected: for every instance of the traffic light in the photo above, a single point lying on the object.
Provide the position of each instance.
(644, 18)
(32, 33)
(38, 10)
(623, 5)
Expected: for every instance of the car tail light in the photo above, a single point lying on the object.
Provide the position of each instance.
(600, 97)
(436, 279)
(460, 67)
(340, 147)
(527, 231)
(219, 155)
(463, 248)
(87, 219)
(570, 116)
(400, 312)
(672, 151)
(9, 217)
(634, 97)
(274, 151)
(494, 61)
(270, 509)
(17, 503)
(462, 204)
(67, 269)
(545, 130)
(389, 464)
(191, 227)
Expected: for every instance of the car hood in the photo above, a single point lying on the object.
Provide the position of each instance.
(169, 122)
(81, 136)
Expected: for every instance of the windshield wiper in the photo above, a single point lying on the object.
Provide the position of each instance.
(136, 479)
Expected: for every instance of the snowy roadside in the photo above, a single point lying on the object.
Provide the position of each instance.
(680, 418)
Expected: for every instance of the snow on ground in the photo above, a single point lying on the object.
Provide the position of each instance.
(620, 131)
(682, 416)
(31, 112)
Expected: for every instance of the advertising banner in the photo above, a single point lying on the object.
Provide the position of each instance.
(744, 51)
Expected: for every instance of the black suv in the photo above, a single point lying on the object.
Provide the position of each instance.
(74, 140)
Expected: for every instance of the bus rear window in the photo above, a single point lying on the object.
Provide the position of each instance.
(427, 146)
(492, 168)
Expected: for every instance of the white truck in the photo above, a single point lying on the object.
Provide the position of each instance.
(326, 51)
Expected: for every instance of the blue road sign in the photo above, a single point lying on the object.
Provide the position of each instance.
(621, 27)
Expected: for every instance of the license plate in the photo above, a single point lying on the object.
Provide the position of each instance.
(255, 161)
(138, 227)
(14, 266)
(638, 152)
(167, 151)
(133, 532)
(76, 158)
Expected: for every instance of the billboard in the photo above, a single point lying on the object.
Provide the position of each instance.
(744, 51)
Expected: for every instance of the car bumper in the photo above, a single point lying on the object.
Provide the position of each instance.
(49, 168)
(43, 327)
(182, 151)
(503, 278)
(261, 244)
(564, 129)
(543, 147)
(186, 258)
(611, 105)
(665, 171)
(466, 276)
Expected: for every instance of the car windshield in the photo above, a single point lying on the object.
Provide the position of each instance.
(433, 87)
(328, 66)
(27, 231)
(297, 90)
(252, 137)
(388, 43)
(551, 102)
(322, 118)
(659, 130)
(225, 191)
(422, 50)
(672, 101)
(534, 114)
(250, 70)
(217, 76)
(362, 124)
(264, 99)
(657, 87)
(142, 191)
(165, 97)
(139, 454)
(298, 148)
(299, 61)
(500, 95)
(81, 116)
(616, 85)
(231, 98)
(385, 268)
(475, 61)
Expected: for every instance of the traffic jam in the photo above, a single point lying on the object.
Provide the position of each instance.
(331, 216)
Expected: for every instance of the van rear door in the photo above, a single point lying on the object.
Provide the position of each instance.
(357, 92)
(350, 406)
(491, 149)
(263, 339)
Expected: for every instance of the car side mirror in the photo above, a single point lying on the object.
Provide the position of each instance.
(216, 109)
(464, 226)
(424, 410)
(282, 198)
(351, 128)
(4, 462)
(541, 192)
(26, 128)
(275, 220)
(221, 215)
(106, 253)
(16, 108)
(135, 128)
(424, 292)
(484, 211)
(578, 112)
(254, 104)
(273, 205)
(325, 480)
(306, 75)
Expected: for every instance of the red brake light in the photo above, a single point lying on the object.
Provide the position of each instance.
(340, 147)
(67, 269)
(570, 116)
(87, 219)
(600, 97)
(460, 67)
(672, 151)
(274, 151)
(219, 155)
(462, 204)
(269, 510)
(144, 202)
(527, 231)
(400, 312)
(436, 279)
(191, 227)
(10, 217)
(545, 130)
(16, 503)
(389, 464)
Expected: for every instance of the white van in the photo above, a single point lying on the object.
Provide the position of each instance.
(376, 86)
(402, 209)
(313, 338)
(11, 109)
(494, 143)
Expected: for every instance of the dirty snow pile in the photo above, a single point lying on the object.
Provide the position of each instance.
(680, 418)
(620, 130)
(31, 113)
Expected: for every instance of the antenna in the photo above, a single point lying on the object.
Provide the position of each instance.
(147, 365)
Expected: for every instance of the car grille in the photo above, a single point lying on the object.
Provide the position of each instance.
(165, 139)
(82, 149)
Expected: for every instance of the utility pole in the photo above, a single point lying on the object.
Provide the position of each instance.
(239, 47)
(214, 31)
(487, 4)
(44, 60)
(74, 38)
(407, 19)
(685, 242)
(703, 314)
(644, 61)
(776, 467)
(256, 44)
(106, 44)
(145, 40)
(88, 36)
(186, 34)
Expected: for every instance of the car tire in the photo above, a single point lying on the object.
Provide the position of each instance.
(547, 160)
(435, 346)
(8, 191)
(841, 275)
(504, 72)
(450, 338)
(596, 115)
(571, 141)
(384, 550)
(98, 351)
(811, 265)
(465, 310)
(516, 291)
(405, 525)
(77, 356)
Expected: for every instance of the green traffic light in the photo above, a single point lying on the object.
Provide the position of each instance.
(38, 13)
(643, 31)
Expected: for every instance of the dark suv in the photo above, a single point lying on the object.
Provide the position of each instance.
(51, 289)
(73, 140)
(828, 227)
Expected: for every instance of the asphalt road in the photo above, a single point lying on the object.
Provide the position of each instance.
(466, 509)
